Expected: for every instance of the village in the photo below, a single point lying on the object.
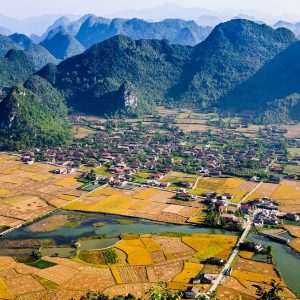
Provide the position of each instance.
(126, 156)
(217, 178)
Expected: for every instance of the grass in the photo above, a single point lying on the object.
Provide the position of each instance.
(75, 220)
(190, 270)
(136, 251)
(173, 234)
(292, 169)
(99, 224)
(125, 221)
(41, 264)
(49, 285)
(99, 257)
(129, 236)
(102, 171)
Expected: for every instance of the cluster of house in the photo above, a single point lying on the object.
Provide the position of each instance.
(156, 151)
(193, 292)
(219, 203)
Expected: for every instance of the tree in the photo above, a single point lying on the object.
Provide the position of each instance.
(271, 293)
(161, 292)
(209, 296)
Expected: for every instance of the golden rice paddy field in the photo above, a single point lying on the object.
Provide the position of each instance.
(147, 203)
(239, 188)
(26, 191)
(247, 273)
(143, 261)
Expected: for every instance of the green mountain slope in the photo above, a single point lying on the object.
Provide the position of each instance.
(16, 67)
(232, 53)
(37, 53)
(91, 80)
(7, 44)
(168, 74)
(275, 87)
(33, 118)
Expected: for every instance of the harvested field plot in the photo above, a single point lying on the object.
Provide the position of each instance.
(190, 270)
(245, 274)
(136, 251)
(295, 244)
(210, 245)
(147, 203)
(144, 264)
(293, 230)
(288, 194)
(26, 190)
(235, 186)
(173, 247)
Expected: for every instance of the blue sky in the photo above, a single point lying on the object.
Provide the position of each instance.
(26, 8)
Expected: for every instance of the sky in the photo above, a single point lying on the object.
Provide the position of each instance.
(22, 9)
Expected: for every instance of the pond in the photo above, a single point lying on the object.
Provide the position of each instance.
(66, 235)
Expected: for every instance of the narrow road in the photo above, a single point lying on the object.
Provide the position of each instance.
(231, 258)
(196, 183)
(235, 251)
(250, 193)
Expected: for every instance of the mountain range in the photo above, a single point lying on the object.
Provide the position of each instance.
(166, 73)
(241, 65)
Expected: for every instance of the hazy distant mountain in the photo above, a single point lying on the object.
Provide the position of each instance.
(62, 45)
(95, 30)
(295, 27)
(165, 11)
(34, 25)
(164, 73)
(62, 22)
(5, 31)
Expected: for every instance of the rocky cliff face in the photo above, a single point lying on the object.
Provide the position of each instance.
(127, 96)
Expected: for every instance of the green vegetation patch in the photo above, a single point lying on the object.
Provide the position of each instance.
(99, 257)
(99, 224)
(173, 234)
(49, 285)
(41, 264)
(125, 221)
(129, 236)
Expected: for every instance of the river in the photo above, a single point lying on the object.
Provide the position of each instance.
(287, 262)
